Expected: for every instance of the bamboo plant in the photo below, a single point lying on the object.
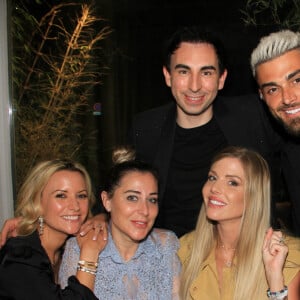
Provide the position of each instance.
(54, 72)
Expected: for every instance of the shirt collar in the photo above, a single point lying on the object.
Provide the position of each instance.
(146, 247)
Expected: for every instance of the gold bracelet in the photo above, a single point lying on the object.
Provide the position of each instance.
(88, 263)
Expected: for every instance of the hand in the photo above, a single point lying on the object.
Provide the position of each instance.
(98, 224)
(9, 229)
(90, 247)
(89, 252)
(274, 255)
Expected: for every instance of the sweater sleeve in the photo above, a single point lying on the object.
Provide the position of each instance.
(26, 274)
(69, 262)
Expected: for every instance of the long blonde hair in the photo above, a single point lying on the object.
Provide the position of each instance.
(29, 196)
(249, 276)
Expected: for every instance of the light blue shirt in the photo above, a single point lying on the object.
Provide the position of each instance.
(151, 274)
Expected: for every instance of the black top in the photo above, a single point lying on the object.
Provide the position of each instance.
(243, 121)
(26, 274)
(189, 169)
(291, 171)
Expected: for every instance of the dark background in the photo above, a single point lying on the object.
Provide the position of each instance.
(132, 60)
(135, 82)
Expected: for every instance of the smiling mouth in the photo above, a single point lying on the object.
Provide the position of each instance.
(140, 223)
(71, 218)
(195, 98)
(216, 202)
(292, 111)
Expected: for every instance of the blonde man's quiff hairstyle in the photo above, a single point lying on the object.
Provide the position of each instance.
(274, 45)
(29, 196)
(249, 279)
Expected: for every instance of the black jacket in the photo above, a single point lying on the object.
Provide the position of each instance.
(26, 274)
(291, 171)
(243, 120)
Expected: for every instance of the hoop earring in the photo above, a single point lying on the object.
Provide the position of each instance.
(41, 225)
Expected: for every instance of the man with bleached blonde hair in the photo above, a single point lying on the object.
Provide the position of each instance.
(275, 64)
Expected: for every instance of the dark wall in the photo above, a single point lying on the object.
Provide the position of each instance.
(132, 54)
(135, 82)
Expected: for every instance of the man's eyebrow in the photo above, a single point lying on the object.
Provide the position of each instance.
(268, 84)
(183, 66)
(208, 68)
(289, 76)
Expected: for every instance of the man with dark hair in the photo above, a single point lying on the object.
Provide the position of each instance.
(181, 138)
(275, 65)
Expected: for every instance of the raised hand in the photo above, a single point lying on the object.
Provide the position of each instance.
(9, 229)
(274, 254)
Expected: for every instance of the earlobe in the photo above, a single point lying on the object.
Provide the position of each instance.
(167, 76)
(106, 201)
(222, 79)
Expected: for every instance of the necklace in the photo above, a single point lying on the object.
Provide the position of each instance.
(53, 264)
(228, 257)
(55, 261)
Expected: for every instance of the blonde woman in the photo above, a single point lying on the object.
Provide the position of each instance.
(52, 204)
(233, 254)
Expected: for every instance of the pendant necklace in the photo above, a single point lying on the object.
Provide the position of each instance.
(227, 257)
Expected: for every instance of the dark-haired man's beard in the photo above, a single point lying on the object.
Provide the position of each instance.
(291, 126)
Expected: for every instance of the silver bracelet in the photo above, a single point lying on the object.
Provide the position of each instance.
(278, 295)
(87, 270)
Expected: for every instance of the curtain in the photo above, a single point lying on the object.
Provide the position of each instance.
(6, 187)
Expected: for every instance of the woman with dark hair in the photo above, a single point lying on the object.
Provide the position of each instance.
(138, 262)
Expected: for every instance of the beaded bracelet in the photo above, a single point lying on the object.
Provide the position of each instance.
(278, 295)
(87, 270)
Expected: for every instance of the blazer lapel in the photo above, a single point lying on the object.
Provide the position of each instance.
(164, 153)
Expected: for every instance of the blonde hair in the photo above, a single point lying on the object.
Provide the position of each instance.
(29, 196)
(123, 154)
(274, 45)
(249, 277)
